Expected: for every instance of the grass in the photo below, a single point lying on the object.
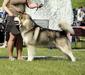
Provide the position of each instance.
(43, 66)
(78, 3)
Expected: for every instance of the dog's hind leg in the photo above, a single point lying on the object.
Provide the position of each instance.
(31, 52)
(64, 45)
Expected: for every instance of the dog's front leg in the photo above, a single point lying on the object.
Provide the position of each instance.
(31, 52)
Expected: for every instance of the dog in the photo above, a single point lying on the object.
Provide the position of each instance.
(59, 38)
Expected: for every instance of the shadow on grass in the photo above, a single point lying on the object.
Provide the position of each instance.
(48, 58)
(44, 58)
(40, 57)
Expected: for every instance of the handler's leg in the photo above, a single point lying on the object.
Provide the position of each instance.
(10, 45)
(19, 45)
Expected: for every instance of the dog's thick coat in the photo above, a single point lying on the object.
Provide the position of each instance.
(59, 38)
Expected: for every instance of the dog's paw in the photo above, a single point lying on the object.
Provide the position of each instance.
(74, 59)
(29, 60)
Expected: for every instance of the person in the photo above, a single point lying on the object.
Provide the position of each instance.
(13, 32)
(80, 15)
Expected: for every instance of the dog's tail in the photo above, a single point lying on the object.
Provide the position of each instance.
(65, 26)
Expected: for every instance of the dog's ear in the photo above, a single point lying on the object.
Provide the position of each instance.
(20, 16)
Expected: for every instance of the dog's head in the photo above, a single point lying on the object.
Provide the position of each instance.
(25, 21)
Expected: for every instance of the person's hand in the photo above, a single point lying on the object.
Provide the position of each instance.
(39, 6)
(19, 10)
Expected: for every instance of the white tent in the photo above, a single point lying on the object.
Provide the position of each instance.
(51, 13)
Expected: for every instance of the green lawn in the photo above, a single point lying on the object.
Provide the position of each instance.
(78, 3)
(43, 66)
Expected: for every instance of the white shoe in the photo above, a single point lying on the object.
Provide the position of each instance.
(11, 58)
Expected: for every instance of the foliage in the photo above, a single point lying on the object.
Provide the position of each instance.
(1, 2)
(78, 3)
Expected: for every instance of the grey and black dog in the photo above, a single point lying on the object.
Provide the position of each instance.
(59, 38)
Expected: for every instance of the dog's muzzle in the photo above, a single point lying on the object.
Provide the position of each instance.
(17, 21)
